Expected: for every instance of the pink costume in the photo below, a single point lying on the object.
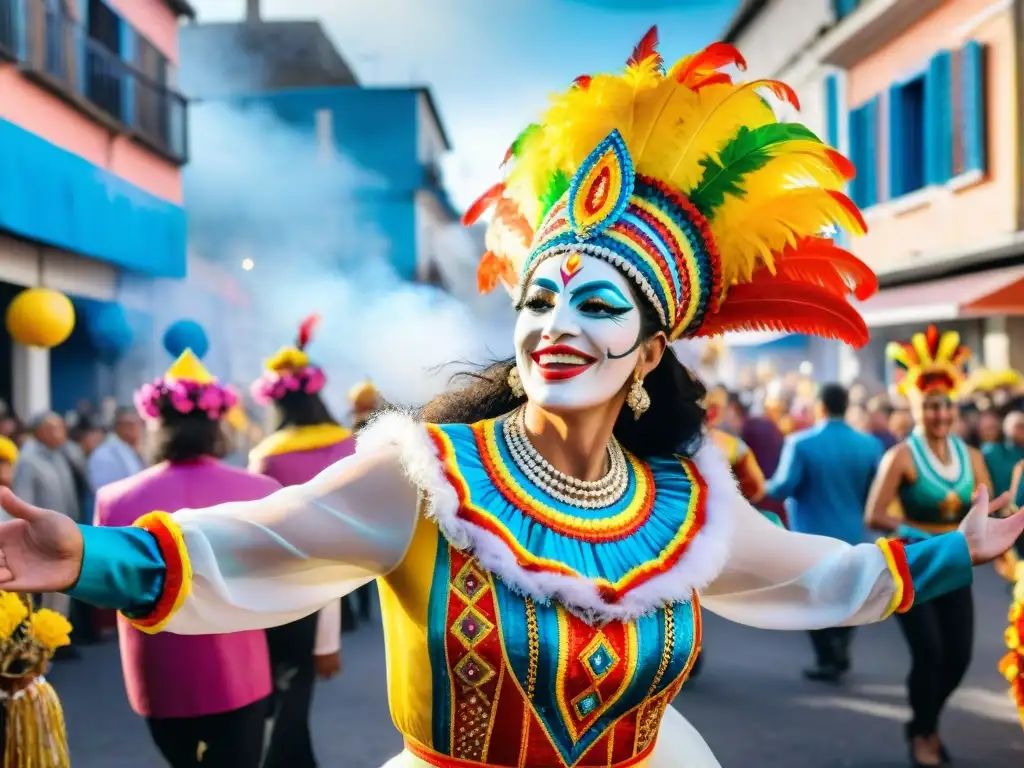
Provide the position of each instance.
(168, 675)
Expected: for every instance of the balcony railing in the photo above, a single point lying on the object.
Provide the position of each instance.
(51, 45)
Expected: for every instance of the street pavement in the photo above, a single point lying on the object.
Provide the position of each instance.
(750, 703)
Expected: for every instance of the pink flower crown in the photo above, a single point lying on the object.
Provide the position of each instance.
(211, 398)
(274, 385)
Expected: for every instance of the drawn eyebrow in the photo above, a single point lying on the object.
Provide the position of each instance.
(546, 284)
(599, 285)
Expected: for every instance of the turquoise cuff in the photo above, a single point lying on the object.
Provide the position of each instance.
(910, 533)
(121, 569)
(773, 518)
(938, 565)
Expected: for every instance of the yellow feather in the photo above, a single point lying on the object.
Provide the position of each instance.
(807, 168)
(753, 229)
(719, 112)
(898, 353)
(920, 343)
(948, 344)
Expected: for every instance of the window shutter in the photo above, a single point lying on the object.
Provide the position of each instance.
(856, 154)
(897, 140)
(832, 110)
(938, 126)
(972, 112)
(870, 169)
(129, 47)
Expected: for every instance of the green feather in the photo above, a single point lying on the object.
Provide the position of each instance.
(747, 151)
(558, 185)
(525, 135)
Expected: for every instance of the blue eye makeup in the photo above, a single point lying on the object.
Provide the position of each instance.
(600, 298)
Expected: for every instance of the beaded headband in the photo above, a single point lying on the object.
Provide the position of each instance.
(187, 387)
(289, 370)
(930, 363)
(686, 182)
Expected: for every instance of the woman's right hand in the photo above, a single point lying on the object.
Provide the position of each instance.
(990, 537)
(40, 550)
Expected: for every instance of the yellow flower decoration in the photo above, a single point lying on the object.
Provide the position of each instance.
(287, 358)
(12, 613)
(1012, 664)
(50, 629)
(1012, 638)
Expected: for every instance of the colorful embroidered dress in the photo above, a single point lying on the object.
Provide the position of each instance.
(522, 631)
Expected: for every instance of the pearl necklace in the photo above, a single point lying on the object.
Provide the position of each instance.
(587, 494)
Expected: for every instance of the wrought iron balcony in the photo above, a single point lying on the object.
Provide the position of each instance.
(60, 53)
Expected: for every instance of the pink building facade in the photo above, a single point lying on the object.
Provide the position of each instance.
(928, 93)
(93, 137)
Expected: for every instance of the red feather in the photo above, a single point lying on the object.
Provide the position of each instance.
(716, 78)
(932, 337)
(789, 306)
(851, 208)
(482, 203)
(306, 328)
(582, 82)
(645, 49)
(841, 163)
(712, 58)
(818, 261)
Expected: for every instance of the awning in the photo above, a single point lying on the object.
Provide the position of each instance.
(993, 292)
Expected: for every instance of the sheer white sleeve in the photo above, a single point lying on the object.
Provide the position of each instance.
(263, 563)
(778, 579)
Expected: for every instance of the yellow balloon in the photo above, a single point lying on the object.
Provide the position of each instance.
(40, 317)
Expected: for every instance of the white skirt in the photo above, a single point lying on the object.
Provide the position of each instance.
(678, 744)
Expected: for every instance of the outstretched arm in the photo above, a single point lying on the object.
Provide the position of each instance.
(777, 579)
(241, 565)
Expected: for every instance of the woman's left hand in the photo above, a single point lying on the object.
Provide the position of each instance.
(989, 537)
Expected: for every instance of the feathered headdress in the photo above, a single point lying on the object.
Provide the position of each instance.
(289, 370)
(186, 387)
(720, 214)
(930, 362)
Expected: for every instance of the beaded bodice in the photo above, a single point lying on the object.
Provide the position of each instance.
(557, 633)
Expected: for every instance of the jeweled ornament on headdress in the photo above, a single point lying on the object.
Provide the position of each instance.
(930, 362)
(290, 370)
(719, 214)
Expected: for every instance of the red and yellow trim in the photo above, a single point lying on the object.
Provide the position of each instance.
(178, 577)
(432, 758)
(896, 559)
(673, 552)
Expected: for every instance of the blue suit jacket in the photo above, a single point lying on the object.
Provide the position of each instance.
(827, 471)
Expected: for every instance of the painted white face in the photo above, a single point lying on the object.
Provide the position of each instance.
(577, 334)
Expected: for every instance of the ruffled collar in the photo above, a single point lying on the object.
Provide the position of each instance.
(667, 537)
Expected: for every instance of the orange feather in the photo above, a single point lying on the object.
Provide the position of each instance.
(482, 204)
(817, 260)
(712, 58)
(717, 78)
(645, 49)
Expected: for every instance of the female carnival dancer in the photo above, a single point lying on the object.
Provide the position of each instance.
(935, 475)
(204, 697)
(305, 441)
(543, 545)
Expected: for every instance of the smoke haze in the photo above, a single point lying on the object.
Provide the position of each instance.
(256, 189)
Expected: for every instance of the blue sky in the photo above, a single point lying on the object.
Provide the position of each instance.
(490, 63)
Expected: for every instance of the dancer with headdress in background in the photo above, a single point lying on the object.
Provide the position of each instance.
(935, 476)
(545, 537)
(306, 440)
(204, 697)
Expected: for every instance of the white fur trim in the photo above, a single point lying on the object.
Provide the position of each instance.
(698, 567)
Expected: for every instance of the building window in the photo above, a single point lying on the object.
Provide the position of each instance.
(907, 145)
(970, 92)
(105, 72)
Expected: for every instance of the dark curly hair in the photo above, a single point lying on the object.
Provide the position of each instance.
(300, 409)
(673, 424)
(183, 437)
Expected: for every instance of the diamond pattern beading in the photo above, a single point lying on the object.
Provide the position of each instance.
(471, 627)
(598, 658)
(586, 704)
(473, 671)
(470, 582)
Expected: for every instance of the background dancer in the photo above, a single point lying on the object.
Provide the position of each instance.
(204, 697)
(935, 475)
(306, 439)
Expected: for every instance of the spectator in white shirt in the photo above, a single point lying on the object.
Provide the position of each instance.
(119, 455)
